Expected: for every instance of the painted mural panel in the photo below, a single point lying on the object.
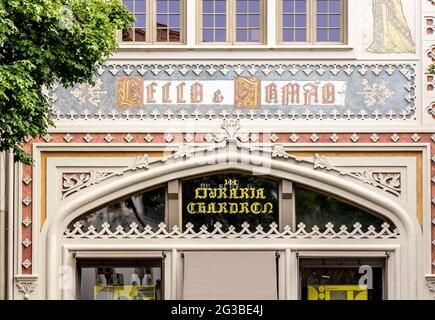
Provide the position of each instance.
(388, 26)
(254, 92)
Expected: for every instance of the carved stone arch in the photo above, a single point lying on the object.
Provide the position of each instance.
(181, 167)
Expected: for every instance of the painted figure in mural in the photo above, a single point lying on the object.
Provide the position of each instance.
(391, 33)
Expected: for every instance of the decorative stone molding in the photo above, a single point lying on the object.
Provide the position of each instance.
(134, 232)
(232, 136)
(26, 284)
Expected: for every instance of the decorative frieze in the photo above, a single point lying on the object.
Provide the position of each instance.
(301, 232)
(252, 91)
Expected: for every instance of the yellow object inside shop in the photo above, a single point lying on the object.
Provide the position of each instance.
(125, 292)
(337, 292)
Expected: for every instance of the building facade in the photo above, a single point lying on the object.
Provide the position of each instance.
(271, 149)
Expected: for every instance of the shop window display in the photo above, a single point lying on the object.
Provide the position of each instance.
(120, 280)
(342, 279)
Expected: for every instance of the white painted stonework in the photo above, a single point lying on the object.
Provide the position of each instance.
(384, 163)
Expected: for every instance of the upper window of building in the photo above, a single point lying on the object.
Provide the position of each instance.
(311, 21)
(157, 21)
(231, 21)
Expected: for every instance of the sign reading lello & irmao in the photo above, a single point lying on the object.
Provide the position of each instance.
(253, 92)
(242, 92)
(230, 199)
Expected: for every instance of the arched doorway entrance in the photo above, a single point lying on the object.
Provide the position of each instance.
(296, 250)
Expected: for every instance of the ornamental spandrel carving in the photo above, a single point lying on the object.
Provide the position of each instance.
(254, 92)
(231, 138)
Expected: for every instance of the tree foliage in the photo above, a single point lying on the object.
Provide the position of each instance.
(43, 42)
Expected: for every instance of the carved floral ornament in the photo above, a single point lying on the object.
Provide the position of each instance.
(430, 282)
(26, 284)
(232, 138)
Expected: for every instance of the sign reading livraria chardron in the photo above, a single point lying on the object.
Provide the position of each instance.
(307, 92)
(230, 199)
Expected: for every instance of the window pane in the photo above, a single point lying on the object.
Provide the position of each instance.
(162, 20)
(174, 35)
(322, 6)
(314, 208)
(334, 35)
(207, 35)
(143, 209)
(301, 6)
(220, 36)
(230, 199)
(207, 20)
(334, 21)
(140, 34)
(254, 6)
(242, 21)
(220, 6)
(334, 6)
(241, 6)
(120, 279)
(140, 21)
(300, 35)
(162, 35)
(254, 21)
(140, 6)
(207, 6)
(174, 21)
(288, 21)
(254, 35)
(241, 35)
(162, 6)
(322, 35)
(322, 21)
(174, 6)
(300, 21)
(288, 35)
(221, 21)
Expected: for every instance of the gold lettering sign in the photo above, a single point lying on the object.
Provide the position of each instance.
(247, 92)
(237, 200)
(129, 92)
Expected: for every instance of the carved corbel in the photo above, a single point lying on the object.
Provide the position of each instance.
(26, 284)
